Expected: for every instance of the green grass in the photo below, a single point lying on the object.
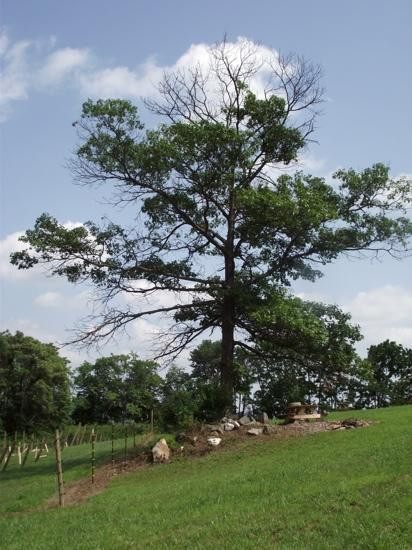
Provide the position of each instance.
(348, 490)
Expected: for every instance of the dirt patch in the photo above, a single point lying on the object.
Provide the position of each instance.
(83, 489)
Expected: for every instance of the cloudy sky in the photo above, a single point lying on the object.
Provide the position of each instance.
(54, 55)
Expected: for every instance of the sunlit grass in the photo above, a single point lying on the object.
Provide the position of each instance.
(349, 489)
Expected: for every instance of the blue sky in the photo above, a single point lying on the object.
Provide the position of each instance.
(56, 54)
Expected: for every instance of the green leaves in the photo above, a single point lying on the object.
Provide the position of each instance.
(34, 384)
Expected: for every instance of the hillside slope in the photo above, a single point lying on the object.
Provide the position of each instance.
(349, 489)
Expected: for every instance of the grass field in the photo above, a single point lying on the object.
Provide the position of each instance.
(343, 490)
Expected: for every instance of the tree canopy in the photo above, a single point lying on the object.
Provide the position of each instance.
(34, 384)
(116, 388)
(218, 223)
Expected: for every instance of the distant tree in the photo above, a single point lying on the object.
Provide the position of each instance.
(117, 388)
(392, 373)
(383, 378)
(34, 384)
(217, 224)
(316, 368)
(179, 399)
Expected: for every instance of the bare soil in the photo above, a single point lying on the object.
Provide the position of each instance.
(83, 489)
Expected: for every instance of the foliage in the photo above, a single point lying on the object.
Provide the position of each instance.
(117, 388)
(384, 377)
(34, 384)
(179, 401)
(317, 366)
(218, 225)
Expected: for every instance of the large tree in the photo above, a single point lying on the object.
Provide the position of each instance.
(34, 384)
(216, 223)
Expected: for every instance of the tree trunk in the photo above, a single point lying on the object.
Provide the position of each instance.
(227, 354)
(228, 331)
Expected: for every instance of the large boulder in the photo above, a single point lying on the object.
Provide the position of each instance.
(244, 420)
(161, 452)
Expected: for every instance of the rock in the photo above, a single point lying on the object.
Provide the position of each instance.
(264, 419)
(254, 424)
(236, 424)
(214, 428)
(228, 426)
(215, 434)
(267, 429)
(255, 431)
(244, 420)
(161, 452)
(354, 423)
(214, 441)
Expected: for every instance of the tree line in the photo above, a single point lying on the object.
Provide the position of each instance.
(38, 391)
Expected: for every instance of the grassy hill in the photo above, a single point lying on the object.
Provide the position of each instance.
(345, 489)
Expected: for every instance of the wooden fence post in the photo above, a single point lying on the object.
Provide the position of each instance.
(8, 456)
(27, 451)
(125, 444)
(59, 471)
(112, 446)
(74, 439)
(39, 450)
(93, 436)
(5, 448)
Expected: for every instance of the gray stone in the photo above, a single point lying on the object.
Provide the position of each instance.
(161, 452)
(264, 419)
(214, 441)
(268, 429)
(255, 431)
(228, 426)
(244, 420)
(254, 424)
(214, 428)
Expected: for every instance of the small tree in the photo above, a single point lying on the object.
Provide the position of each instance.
(34, 384)
(115, 389)
(391, 366)
(217, 224)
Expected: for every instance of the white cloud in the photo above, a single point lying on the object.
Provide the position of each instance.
(14, 78)
(51, 299)
(383, 313)
(60, 64)
(8, 245)
(142, 81)
(24, 67)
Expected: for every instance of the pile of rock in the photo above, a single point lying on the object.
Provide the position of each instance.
(348, 424)
(228, 424)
